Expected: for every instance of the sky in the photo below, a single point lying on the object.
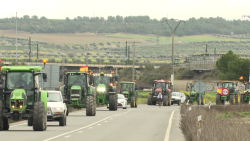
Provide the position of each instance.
(177, 9)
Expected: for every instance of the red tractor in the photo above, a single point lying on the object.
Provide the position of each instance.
(163, 87)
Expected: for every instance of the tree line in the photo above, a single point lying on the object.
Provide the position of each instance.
(129, 24)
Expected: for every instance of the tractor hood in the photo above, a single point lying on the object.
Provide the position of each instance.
(18, 100)
(125, 92)
(158, 90)
(101, 88)
(76, 87)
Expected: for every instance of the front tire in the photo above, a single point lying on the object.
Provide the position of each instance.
(218, 100)
(203, 100)
(232, 99)
(6, 124)
(30, 122)
(63, 120)
(39, 122)
(90, 105)
(113, 102)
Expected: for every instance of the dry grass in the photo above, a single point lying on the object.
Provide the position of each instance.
(218, 123)
(75, 38)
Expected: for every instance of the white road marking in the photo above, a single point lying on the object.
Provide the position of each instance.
(67, 136)
(79, 132)
(111, 118)
(18, 124)
(169, 127)
(81, 128)
(90, 127)
(105, 121)
(98, 124)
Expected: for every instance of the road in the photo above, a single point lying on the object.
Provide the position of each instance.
(145, 123)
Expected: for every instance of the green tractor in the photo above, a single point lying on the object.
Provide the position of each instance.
(21, 99)
(227, 91)
(106, 92)
(194, 96)
(129, 90)
(176, 61)
(245, 97)
(78, 92)
(187, 60)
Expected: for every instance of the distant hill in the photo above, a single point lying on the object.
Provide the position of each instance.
(130, 25)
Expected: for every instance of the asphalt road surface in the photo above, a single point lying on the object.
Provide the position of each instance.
(145, 123)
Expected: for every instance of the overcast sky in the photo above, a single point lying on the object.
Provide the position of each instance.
(177, 9)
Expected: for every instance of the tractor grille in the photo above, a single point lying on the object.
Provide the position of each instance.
(75, 91)
(18, 102)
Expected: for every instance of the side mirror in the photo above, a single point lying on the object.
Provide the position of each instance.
(65, 101)
(45, 77)
(116, 78)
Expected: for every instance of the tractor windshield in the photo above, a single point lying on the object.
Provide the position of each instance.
(227, 85)
(126, 87)
(79, 80)
(160, 85)
(247, 86)
(23, 80)
(101, 80)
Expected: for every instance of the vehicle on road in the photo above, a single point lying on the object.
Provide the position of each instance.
(56, 108)
(21, 99)
(187, 60)
(194, 96)
(232, 95)
(245, 96)
(163, 87)
(177, 98)
(176, 61)
(78, 92)
(122, 101)
(129, 90)
(106, 92)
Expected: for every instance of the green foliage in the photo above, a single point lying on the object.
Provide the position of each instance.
(14, 63)
(185, 92)
(184, 73)
(225, 115)
(232, 67)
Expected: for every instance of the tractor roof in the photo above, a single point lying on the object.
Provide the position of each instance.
(160, 81)
(21, 68)
(128, 82)
(77, 72)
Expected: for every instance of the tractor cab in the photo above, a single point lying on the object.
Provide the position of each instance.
(104, 82)
(230, 85)
(176, 61)
(160, 86)
(75, 87)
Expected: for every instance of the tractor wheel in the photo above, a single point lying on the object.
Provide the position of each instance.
(150, 99)
(30, 121)
(237, 99)
(203, 100)
(67, 113)
(165, 100)
(63, 120)
(113, 102)
(218, 100)
(232, 99)
(153, 102)
(39, 122)
(6, 124)
(1, 119)
(90, 106)
(242, 101)
(132, 103)
(136, 101)
(170, 99)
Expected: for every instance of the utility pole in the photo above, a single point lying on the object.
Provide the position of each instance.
(133, 69)
(16, 36)
(37, 54)
(29, 47)
(173, 31)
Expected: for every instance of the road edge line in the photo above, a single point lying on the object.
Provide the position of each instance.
(169, 127)
(81, 127)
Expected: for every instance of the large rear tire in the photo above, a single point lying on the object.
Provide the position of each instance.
(1, 113)
(39, 114)
(170, 99)
(132, 102)
(232, 99)
(30, 121)
(242, 101)
(165, 100)
(6, 124)
(113, 102)
(218, 100)
(90, 105)
(149, 99)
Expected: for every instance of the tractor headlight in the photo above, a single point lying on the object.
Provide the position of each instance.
(13, 106)
(103, 89)
(21, 106)
(98, 89)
